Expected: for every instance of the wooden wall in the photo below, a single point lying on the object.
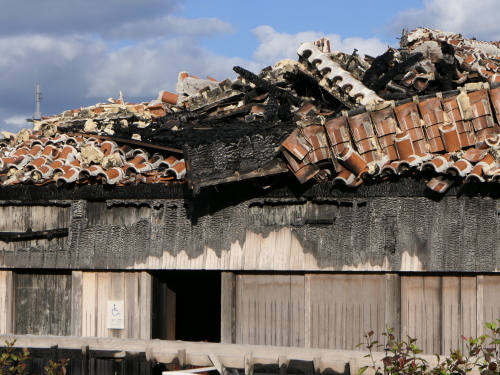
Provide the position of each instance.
(318, 310)
(37, 218)
(437, 310)
(270, 310)
(134, 288)
(333, 310)
(43, 304)
(382, 233)
(74, 303)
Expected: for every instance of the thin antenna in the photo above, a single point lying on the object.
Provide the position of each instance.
(38, 97)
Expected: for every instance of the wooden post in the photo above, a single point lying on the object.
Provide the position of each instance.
(249, 363)
(76, 303)
(149, 360)
(54, 353)
(228, 308)
(283, 362)
(181, 358)
(317, 365)
(145, 304)
(353, 366)
(86, 360)
(393, 302)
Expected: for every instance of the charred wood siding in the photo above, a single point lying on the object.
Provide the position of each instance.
(234, 153)
(43, 304)
(34, 229)
(392, 226)
(396, 233)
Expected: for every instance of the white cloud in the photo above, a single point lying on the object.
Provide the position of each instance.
(477, 18)
(18, 121)
(275, 46)
(80, 69)
(148, 67)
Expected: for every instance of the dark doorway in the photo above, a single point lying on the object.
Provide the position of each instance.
(187, 305)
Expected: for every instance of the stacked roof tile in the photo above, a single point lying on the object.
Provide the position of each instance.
(430, 108)
(83, 159)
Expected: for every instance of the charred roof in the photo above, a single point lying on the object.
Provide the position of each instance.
(428, 110)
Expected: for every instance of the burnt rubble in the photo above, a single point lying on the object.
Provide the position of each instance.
(430, 109)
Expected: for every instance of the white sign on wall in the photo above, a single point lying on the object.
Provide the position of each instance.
(116, 315)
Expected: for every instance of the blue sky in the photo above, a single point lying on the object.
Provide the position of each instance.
(85, 51)
(338, 17)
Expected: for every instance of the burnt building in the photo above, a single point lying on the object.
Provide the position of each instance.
(297, 207)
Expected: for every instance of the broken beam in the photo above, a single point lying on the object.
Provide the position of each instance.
(33, 235)
(125, 140)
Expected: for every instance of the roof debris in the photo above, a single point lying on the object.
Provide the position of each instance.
(430, 108)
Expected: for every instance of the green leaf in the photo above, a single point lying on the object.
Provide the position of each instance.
(489, 325)
(494, 342)
(357, 346)
(362, 369)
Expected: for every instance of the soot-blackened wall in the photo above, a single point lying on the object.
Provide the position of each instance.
(380, 227)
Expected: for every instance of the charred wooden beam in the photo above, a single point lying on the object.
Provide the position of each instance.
(33, 235)
(124, 140)
(395, 70)
(269, 87)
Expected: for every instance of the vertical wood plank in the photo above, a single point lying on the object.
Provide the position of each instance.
(89, 307)
(393, 302)
(480, 306)
(171, 314)
(145, 304)
(297, 310)
(7, 292)
(240, 311)
(103, 285)
(449, 314)
(131, 305)
(228, 307)
(76, 302)
(117, 294)
(307, 311)
(468, 309)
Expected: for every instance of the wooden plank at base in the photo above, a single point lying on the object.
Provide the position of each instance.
(198, 353)
(191, 371)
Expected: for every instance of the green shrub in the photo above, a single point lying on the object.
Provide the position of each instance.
(16, 362)
(402, 357)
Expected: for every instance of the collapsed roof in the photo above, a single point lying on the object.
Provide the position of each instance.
(429, 109)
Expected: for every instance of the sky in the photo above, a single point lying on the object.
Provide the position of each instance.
(82, 52)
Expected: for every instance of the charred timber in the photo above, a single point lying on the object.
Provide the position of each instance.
(269, 87)
(33, 235)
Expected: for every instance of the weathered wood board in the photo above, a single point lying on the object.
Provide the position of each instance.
(43, 304)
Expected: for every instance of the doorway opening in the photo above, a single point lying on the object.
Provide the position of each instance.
(187, 305)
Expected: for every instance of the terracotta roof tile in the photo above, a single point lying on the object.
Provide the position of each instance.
(348, 126)
(68, 159)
